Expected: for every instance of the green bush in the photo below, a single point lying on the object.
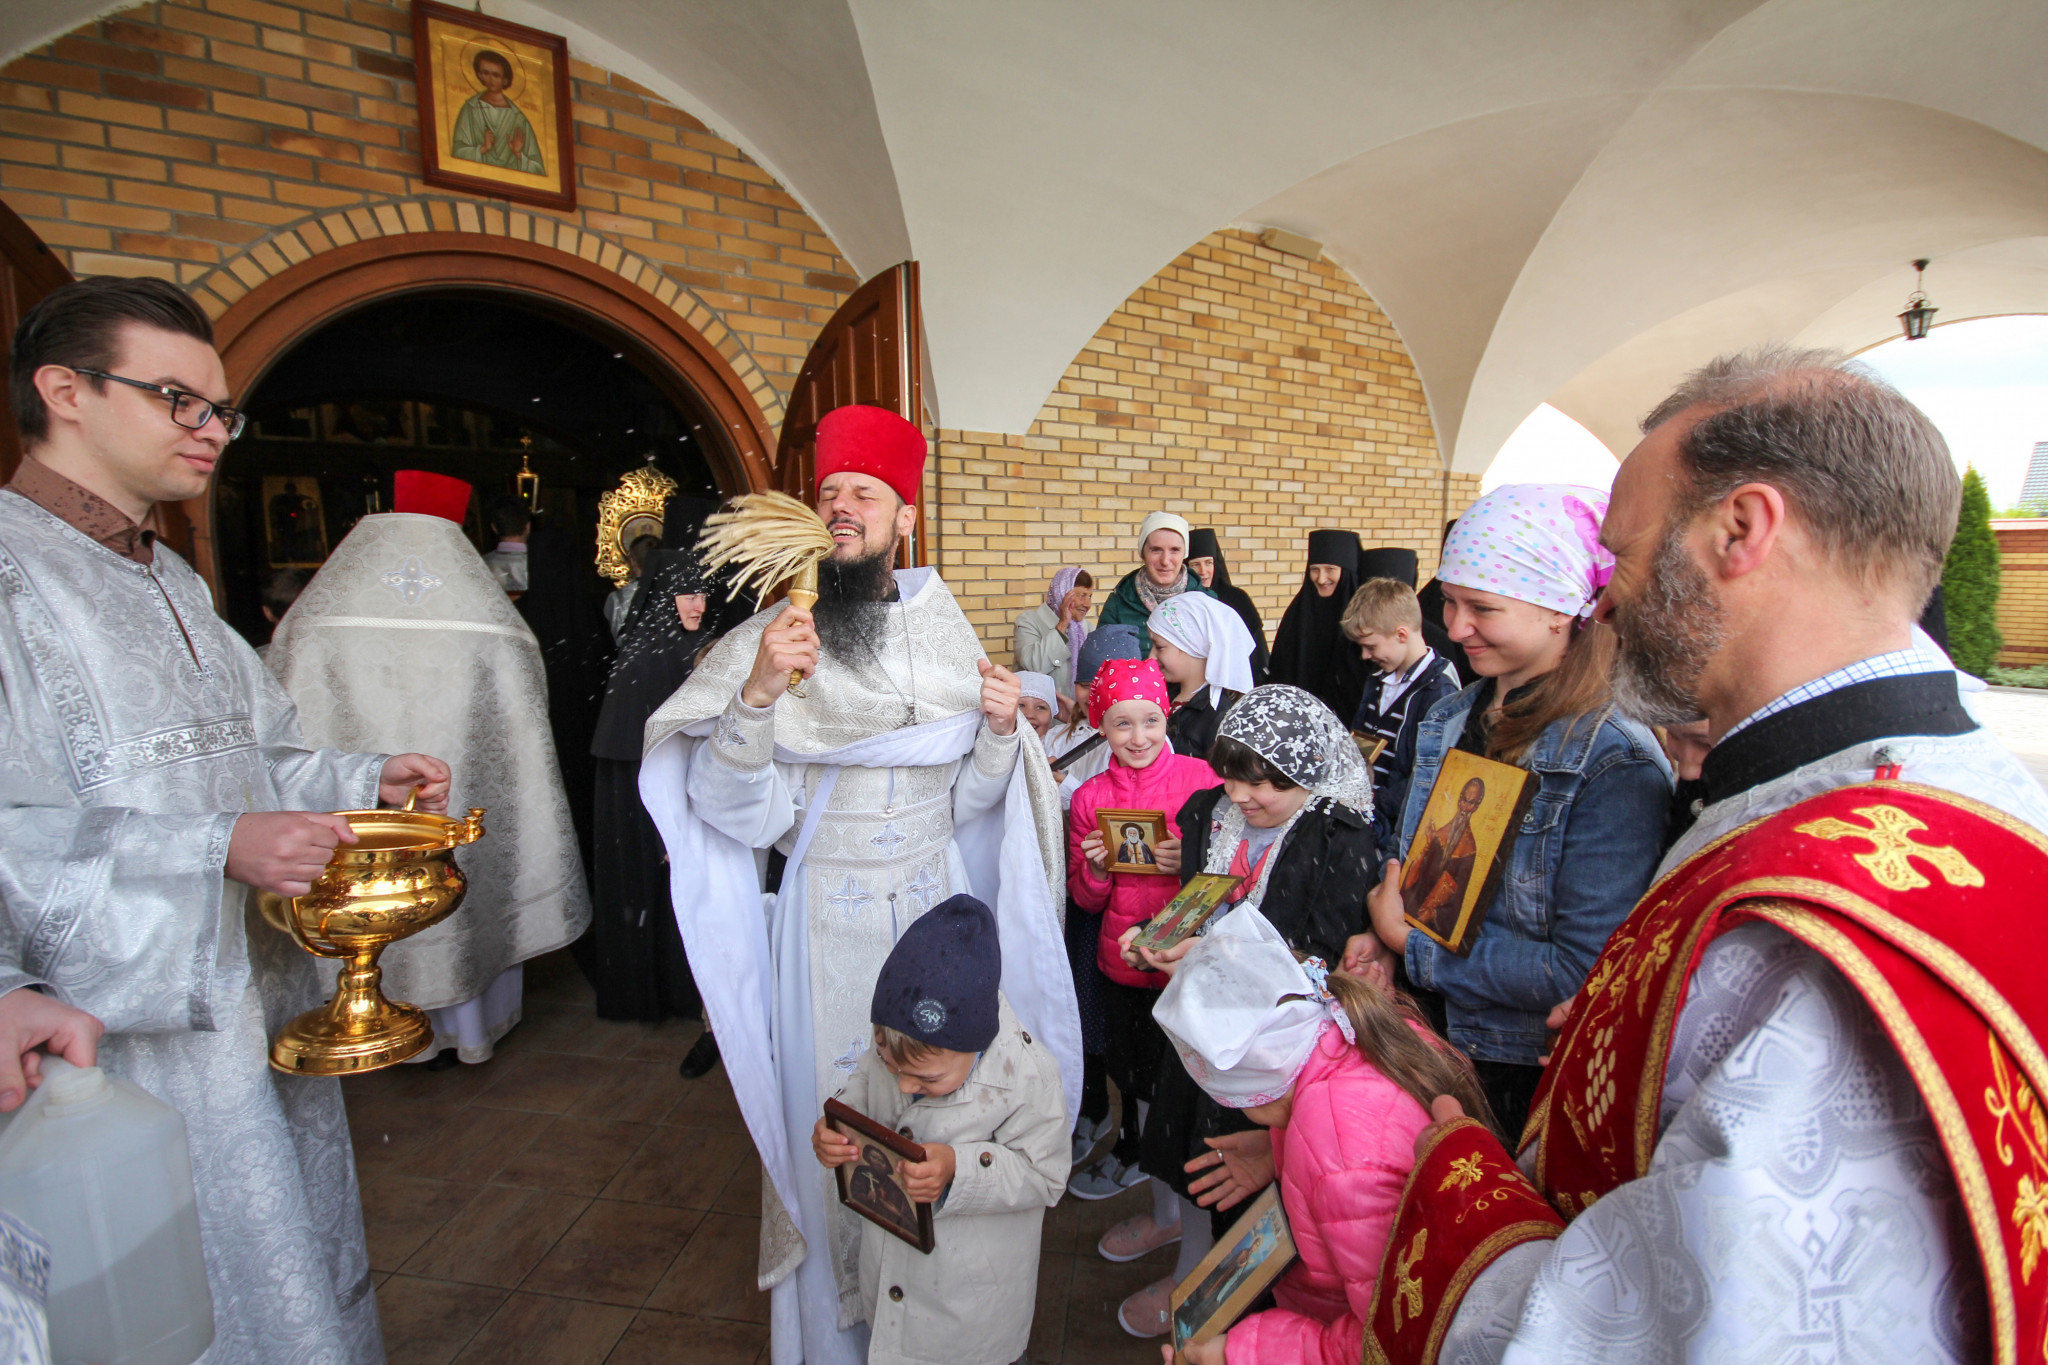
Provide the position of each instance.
(2033, 675)
(1969, 583)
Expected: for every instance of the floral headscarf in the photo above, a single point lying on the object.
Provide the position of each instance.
(1303, 738)
(1535, 542)
(1055, 596)
(1296, 733)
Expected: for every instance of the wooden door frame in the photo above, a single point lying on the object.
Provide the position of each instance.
(40, 271)
(261, 327)
(896, 289)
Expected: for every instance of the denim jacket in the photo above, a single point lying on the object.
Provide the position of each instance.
(1586, 852)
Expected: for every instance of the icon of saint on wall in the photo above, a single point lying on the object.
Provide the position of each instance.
(490, 128)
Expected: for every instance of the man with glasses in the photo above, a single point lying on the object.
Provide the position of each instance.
(151, 775)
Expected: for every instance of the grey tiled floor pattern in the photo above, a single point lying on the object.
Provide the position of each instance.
(574, 1201)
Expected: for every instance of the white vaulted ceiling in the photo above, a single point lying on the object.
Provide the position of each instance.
(1561, 200)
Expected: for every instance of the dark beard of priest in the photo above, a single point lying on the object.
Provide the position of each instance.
(851, 614)
(1666, 636)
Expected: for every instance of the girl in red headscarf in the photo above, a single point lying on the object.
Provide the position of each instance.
(1128, 705)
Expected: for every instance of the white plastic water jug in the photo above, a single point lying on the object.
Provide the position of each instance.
(99, 1167)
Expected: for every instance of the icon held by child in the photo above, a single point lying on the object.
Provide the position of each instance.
(996, 1152)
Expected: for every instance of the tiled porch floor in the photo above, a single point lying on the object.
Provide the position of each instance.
(575, 1201)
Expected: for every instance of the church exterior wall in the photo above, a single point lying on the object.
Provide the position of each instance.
(218, 142)
(1248, 390)
(205, 141)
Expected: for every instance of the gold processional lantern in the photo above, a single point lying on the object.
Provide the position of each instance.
(624, 514)
(398, 878)
(772, 538)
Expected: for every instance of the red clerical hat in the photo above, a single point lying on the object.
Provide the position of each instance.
(872, 441)
(436, 495)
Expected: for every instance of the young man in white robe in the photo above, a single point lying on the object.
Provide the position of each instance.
(1776, 533)
(403, 638)
(151, 776)
(892, 782)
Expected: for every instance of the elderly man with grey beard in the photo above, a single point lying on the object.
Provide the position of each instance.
(1783, 1119)
(894, 778)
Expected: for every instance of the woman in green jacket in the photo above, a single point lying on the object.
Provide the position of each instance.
(1162, 573)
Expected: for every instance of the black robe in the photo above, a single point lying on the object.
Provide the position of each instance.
(1203, 544)
(1193, 724)
(633, 953)
(566, 617)
(1311, 651)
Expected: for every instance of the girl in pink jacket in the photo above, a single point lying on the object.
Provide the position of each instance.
(1128, 705)
(1342, 1071)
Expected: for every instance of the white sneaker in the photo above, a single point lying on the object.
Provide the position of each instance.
(1106, 1179)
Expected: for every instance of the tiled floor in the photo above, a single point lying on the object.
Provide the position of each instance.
(575, 1201)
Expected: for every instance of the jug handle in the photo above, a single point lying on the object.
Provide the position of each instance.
(292, 926)
(411, 798)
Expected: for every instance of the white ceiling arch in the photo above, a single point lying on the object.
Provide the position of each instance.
(1562, 200)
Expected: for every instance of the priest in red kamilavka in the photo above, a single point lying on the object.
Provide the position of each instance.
(1793, 1114)
(894, 777)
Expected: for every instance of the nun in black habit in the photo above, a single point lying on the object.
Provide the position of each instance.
(634, 953)
(1205, 561)
(1311, 651)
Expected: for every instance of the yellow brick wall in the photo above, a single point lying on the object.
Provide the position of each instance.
(179, 138)
(2023, 591)
(1245, 389)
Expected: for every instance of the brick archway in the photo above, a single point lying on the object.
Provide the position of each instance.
(272, 297)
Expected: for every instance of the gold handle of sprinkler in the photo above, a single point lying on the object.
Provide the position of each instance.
(803, 595)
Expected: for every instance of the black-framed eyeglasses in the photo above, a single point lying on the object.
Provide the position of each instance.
(188, 410)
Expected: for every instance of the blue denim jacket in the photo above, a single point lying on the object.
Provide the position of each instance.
(1587, 849)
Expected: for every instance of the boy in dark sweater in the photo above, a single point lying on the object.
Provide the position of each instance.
(1385, 619)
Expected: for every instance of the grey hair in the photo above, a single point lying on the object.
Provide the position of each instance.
(1865, 471)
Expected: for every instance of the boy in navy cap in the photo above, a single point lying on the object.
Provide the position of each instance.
(952, 1069)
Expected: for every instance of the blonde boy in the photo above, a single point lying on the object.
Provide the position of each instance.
(952, 1070)
(1385, 619)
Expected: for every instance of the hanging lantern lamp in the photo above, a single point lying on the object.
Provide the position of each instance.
(1919, 315)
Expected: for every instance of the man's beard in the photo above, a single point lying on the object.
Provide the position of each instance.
(851, 615)
(1666, 637)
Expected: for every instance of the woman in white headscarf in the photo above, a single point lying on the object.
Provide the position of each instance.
(1162, 573)
(1206, 653)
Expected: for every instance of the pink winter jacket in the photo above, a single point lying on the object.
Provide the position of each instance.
(1341, 1161)
(1126, 898)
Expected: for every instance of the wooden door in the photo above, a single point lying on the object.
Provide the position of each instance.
(28, 270)
(872, 352)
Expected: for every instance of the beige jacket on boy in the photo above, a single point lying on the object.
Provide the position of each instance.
(970, 1301)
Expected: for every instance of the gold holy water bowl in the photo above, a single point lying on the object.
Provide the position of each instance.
(398, 878)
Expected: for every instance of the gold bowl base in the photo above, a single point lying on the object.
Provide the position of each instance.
(318, 1044)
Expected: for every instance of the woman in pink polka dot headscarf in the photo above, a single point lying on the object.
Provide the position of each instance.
(1520, 573)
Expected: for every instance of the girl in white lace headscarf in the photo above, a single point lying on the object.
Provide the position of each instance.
(1299, 739)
